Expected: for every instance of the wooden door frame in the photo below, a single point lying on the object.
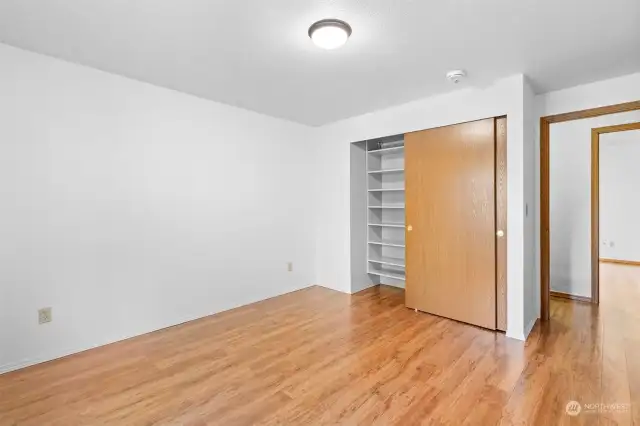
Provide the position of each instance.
(595, 200)
(545, 124)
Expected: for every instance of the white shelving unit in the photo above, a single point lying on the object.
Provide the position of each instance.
(398, 276)
(385, 211)
(388, 206)
(388, 243)
(375, 172)
(383, 151)
(386, 189)
(387, 225)
(389, 261)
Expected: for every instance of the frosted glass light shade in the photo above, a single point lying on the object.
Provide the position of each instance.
(329, 33)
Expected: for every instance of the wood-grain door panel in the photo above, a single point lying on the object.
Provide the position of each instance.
(450, 217)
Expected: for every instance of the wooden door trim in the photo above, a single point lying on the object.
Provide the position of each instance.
(595, 202)
(595, 216)
(620, 262)
(501, 221)
(562, 295)
(593, 112)
(545, 123)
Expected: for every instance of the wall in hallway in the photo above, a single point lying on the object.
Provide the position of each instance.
(619, 201)
(592, 95)
(570, 201)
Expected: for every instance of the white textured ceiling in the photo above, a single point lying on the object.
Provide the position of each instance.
(256, 54)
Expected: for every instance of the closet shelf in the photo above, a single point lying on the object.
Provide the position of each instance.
(388, 225)
(388, 274)
(373, 172)
(387, 150)
(387, 207)
(388, 243)
(390, 261)
(386, 190)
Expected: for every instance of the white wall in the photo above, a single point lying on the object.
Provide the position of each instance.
(505, 97)
(146, 205)
(570, 201)
(593, 95)
(619, 200)
(128, 208)
(531, 292)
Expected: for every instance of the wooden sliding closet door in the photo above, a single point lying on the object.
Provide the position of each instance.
(450, 222)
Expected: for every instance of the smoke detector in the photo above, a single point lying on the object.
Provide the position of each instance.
(456, 75)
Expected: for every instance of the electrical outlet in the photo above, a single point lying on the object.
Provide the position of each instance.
(290, 266)
(44, 315)
(612, 244)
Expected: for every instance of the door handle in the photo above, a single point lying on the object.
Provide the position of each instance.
(409, 228)
(500, 233)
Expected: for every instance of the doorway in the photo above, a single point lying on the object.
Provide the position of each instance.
(615, 151)
(545, 196)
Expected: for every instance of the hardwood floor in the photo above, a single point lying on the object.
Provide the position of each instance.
(321, 357)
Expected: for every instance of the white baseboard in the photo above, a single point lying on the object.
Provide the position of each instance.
(522, 336)
(60, 353)
(334, 288)
(362, 288)
(516, 336)
(63, 352)
(529, 327)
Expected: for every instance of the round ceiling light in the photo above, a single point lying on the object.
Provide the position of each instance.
(329, 33)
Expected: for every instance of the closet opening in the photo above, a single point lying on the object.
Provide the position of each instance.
(428, 215)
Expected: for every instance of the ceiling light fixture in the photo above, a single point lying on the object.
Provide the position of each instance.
(329, 33)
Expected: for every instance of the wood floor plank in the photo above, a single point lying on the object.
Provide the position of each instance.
(317, 356)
